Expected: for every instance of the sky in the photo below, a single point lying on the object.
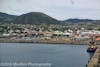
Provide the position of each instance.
(59, 9)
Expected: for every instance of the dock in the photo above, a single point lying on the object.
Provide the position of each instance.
(95, 59)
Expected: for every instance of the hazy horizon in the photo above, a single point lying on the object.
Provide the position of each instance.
(59, 9)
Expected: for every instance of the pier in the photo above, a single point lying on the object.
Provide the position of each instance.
(95, 59)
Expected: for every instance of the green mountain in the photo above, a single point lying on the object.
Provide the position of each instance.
(83, 21)
(39, 18)
(35, 18)
(6, 18)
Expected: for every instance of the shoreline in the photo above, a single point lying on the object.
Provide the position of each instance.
(59, 41)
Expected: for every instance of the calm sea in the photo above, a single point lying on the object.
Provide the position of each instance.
(43, 55)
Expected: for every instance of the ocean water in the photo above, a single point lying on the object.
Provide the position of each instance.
(43, 55)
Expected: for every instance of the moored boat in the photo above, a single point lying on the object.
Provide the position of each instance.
(92, 47)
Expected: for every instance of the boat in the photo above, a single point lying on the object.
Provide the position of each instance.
(92, 47)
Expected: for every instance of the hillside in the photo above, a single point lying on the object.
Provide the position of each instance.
(78, 20)
(39, 18)
(6, 18)
(35, 18)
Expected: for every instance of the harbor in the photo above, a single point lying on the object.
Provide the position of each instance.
(49, 33)
(55, 54)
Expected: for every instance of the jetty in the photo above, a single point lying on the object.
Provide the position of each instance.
(95, 59)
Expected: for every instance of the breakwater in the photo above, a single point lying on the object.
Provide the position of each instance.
(95, 59)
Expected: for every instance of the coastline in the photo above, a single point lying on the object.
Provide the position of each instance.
(51, 41)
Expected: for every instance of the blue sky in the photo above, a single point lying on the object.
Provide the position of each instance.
(59, 9)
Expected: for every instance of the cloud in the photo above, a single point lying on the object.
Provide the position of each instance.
(59, 9)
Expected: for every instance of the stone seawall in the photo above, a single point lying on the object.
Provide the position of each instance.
(95, 59)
